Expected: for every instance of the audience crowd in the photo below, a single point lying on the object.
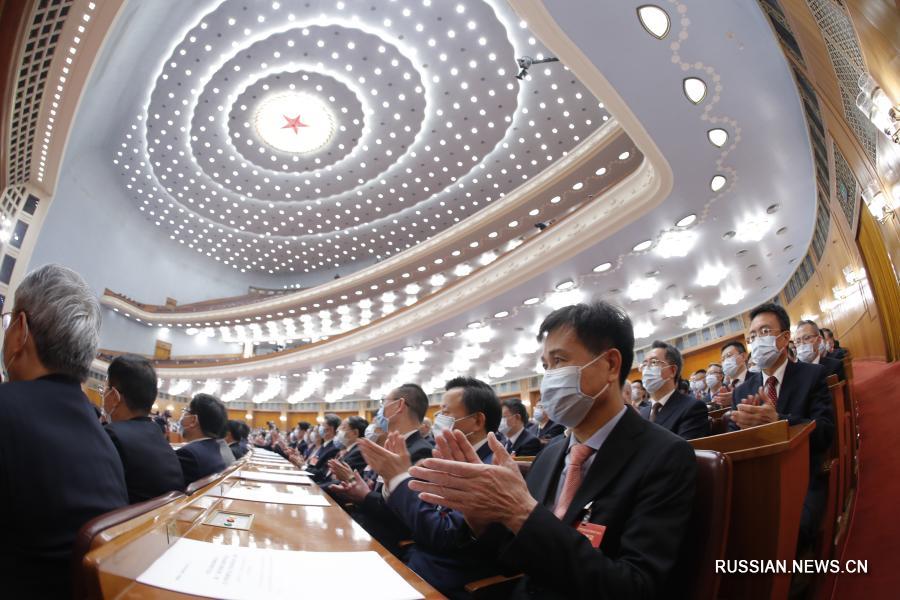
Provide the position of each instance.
(604, 505)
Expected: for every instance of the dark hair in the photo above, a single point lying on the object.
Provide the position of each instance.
(516, 407)
(770, 307)
(698, 371)
(599, 326)
(479, 397)
(827, 331)
(237, 429)
(135, 379)
(303, 425)
(333, 420)
(684, 385)
(808, 322)
(416, 399)
(359, 424)
(211, 414)
(736, 344)
(673, 356)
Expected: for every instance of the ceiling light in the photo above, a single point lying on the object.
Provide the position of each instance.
(437, 280)
(753, 228)
(566, 298)
(717, 183)
(643, 245)
(696, 320)
(643, 329)
(462, 269)
(568, 284)
(711, 276)
(686, 221)
(694, 89)
(675, 307)
(654, 19)
(717, 137)
(412, 289)
(450, 334)
(295, 123)
(475, 325)
(642, 289)
(502, 314)
(731, 295)
(603, 267)
(675, 243)
(531, 301)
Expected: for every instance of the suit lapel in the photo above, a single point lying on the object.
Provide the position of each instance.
(546, 469)
(789, 387)
(667, 412)
(612, 457)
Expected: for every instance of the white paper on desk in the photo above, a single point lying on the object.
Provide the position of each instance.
(293, 470)
(271, 462)
(296, 495)
(286, 477)
(239, 573)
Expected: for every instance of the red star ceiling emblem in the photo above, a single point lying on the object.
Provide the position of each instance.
(294, 123)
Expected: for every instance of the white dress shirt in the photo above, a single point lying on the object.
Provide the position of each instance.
(779, 376)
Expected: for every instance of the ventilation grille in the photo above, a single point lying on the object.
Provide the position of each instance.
(846, 188)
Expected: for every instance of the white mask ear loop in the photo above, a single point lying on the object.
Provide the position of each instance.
(583, 367)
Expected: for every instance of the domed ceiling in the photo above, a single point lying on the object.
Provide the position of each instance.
(286, 137)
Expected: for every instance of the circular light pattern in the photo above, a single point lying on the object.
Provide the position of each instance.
(717, 137)
(295, 123)
(694, 89)
(717, 183)
(654, 19)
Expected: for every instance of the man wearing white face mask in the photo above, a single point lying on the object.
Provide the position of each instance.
(627, 484)
(794, 391)
(679, 413)
(543, 427)
(811, 349)
(518, 439)
(318, 462)
(698, 385)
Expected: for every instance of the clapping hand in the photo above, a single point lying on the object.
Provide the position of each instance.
(755, 410)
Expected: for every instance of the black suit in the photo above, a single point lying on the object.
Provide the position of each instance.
(199, 459)
(683, 415)
(549, 431)
(239, 449)
(640, 485)
(833, 366)
(151, 467)
(374, 515)
(326, 452)
(803, 397)
(527, 444)
(58, 470)
(355, 459)
(837, 353)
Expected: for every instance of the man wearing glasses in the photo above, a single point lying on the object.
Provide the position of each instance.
(58, 468)
(201, 424)
(680, 413)
(811, 349)
(782, 389)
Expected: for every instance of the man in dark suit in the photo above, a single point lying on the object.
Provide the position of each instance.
(236, 434)
(402, 411)
(543, 428)
(678, 412)
(783, 389)
(151, 467)
(58, 469)
(832, 346)
(519, 440)
(201, 423)
(628, 484)
(317, 463)
(639, 395)
(352, 430)
(811, 348)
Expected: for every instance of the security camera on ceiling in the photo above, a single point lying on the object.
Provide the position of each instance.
(526, 62)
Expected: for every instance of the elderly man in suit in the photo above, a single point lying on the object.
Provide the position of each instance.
(201, 423)
(627, 484)
(678, 412)
(811, 349)
(151, 467)
(543, 427)
(783, 389)
(58, 468)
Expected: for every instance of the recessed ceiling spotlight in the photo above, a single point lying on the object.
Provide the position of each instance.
(568, 284)
(654, 19)
(772, 209)
(686, 221)
(531, 301)
(717, 137)
(642, 246)
(475, 325)
(727, 235)
(694, 89)
(603, 267)
(502, 314)
(450, 334)
(717, 183)
(624, 155)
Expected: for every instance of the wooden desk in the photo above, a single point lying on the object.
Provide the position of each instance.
(119, 562)
(770, 477)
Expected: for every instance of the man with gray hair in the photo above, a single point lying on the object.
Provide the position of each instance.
(58, 468)
(680, 413)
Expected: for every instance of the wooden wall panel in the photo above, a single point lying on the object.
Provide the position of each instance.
(261, 416)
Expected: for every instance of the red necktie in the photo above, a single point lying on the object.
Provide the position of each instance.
(771, 392)
(578, 454)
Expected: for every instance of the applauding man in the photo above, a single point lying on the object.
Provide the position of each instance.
(605, 508)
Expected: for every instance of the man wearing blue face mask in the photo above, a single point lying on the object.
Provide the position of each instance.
(680, 413)
(782, 389)
(604, 510)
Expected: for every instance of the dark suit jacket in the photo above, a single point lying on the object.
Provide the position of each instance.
(326, 452)
(527, 444)
(58, 470)
(803, 397)
(374, 515)
(199, 459)
(239, 449)
(355, 459)
(151, 467)
(837, 354)
(833, 366)
(683, 415)
(549, 431)
(640, 485)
